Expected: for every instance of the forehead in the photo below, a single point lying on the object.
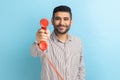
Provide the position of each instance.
(62, 14)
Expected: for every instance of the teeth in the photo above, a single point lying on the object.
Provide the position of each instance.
(61, 26)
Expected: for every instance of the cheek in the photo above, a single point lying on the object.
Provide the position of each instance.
(57, 22)
(69, 24)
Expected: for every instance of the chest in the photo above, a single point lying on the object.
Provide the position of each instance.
(64, 54)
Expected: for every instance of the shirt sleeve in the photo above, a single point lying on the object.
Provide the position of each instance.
(35, 51)
(81, 69)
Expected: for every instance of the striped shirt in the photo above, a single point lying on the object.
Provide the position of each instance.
(67, 58)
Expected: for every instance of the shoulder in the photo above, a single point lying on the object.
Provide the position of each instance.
(76, 43)
(76, 39)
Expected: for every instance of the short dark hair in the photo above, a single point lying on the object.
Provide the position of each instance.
(62, 8)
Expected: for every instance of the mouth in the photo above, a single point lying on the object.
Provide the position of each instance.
(61, 27)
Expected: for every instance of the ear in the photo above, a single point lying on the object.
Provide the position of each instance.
(52, 21)
(71, 21)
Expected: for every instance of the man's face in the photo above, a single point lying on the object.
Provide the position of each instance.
(61, 22)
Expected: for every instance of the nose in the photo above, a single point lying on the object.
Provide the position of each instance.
(62, 22)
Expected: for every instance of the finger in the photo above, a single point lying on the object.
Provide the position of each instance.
(41, 31)
(47, 31)
(44, 39)
(42, 34)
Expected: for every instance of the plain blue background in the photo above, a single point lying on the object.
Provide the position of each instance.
(96, 22)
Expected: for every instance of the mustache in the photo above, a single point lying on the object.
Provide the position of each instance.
(61, 25)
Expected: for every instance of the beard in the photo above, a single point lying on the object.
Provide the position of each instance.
(60, 31)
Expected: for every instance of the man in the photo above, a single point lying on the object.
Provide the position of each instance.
(64, 50)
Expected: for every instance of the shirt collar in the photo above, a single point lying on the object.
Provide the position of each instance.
(55, 38)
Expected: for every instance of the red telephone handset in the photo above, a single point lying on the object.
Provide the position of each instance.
(43, 23)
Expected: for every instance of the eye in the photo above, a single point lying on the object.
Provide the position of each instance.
(57, 18)
(66, 18)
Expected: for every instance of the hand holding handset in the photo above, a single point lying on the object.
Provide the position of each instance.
(43, 44)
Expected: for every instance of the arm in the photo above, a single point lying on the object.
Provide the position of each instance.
(81, 69)
(41, 35)
(35, 51)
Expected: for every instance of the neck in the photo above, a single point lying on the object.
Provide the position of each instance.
(62, 37)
